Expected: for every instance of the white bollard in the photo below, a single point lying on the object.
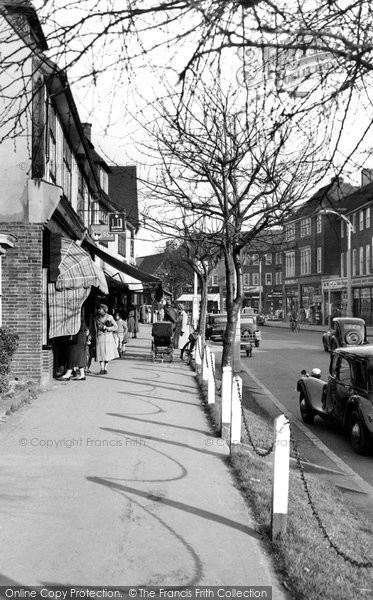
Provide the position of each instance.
(236, 411)
(206, 364)
(226, 401)
(280, 489)
(198, 353)
(211, 379)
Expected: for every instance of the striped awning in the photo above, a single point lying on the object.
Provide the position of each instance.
(77, 270)
(65, 310)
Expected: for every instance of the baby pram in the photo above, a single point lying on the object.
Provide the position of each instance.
(163, 342)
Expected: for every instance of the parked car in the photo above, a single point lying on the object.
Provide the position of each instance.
(250, 334)
(345, 331)
(249, 310)
(346, 398)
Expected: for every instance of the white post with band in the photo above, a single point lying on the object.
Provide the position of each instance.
(280, 488)
(235, 438)
(211, 379)
(226, 402)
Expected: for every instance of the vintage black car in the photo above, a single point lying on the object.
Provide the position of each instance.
(345, 331)
(346, 398)
(250, 334)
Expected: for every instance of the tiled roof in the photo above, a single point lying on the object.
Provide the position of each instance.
(123, 191)
(151, 263)
(330, 196)
(358, 198)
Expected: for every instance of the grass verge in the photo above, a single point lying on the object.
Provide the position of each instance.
(308, 566)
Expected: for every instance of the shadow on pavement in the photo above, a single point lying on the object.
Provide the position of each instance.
(205, 514)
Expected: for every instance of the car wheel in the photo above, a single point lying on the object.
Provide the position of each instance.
(357, 435)
(306, 412)
(353, 338)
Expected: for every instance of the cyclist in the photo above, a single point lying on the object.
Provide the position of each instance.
(294, 320)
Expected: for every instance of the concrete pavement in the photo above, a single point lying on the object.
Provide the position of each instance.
(118, 480)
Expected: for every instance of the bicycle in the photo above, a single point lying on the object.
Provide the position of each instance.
(187, 350)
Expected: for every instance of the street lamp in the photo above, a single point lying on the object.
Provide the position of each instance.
(350, 229)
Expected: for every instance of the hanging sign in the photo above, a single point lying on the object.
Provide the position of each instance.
(117, 222)
(101, 233)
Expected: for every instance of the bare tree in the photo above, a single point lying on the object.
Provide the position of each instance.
(319, 51)
(230, 175)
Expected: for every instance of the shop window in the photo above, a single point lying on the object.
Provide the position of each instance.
(67, 168)
(367, 259)
(361, 220)
(361, 261)
(290, 232)
(122, 244)
(305, 227)
(305, 261)
(278, 278)
(319, 260)
(268, 279)
(290, 264)
(52, 148)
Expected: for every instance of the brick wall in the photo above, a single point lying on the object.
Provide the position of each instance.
(22, 299)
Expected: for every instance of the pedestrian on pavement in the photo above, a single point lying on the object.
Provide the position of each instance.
(121, 333)
(170, 314)
(106, 349)
(77, 355)
(133, 322)
(144, 313)
(182, 328)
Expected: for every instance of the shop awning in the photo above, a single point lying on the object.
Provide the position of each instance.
(189, 298)
(65, 310)
(77, 270)
(119, 265)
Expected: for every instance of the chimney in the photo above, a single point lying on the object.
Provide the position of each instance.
(87, 129)
(366, 177)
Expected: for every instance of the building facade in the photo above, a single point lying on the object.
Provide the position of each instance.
(54, 191)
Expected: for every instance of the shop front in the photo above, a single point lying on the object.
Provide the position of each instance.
(334, 297)
(362, 294)
(311, 303)
(291, 297)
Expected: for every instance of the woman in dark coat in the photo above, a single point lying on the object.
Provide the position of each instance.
(77, 355)
(133, 321)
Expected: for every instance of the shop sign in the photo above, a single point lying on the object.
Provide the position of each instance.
(333, 284)
(291, 282)
(317, 298)
(365, 293)
(101, 233)
(250, 288)
(117, 222)
(362, 281)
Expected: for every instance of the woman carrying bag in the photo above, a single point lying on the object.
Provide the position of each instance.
(106, 349)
